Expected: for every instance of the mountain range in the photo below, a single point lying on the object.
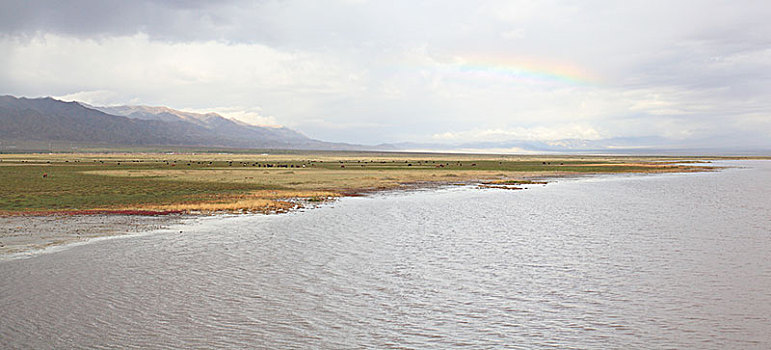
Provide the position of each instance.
(51, 120)
(47, 120)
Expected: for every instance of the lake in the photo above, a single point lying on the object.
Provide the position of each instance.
(622, 261)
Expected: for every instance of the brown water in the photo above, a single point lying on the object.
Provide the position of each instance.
(645, 261)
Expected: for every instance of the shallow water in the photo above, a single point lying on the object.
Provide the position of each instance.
(629, 261)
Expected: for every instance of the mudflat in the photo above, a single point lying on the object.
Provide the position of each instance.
(25, 233)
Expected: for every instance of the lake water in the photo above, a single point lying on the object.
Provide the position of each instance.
(628, 261)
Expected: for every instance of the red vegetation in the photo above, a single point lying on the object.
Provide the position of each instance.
(99, 212)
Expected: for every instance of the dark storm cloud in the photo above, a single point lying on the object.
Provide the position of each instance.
(175, 20)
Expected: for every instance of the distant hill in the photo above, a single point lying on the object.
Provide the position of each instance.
(51, 120)
(213, 122)
(651, 145)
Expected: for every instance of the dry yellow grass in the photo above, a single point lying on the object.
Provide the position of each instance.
(308, 179)
(264, 201)
(247, 205)
(285, 194)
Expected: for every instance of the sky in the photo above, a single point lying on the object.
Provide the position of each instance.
(690, 73)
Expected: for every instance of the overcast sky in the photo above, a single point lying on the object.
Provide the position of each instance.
(425, 71)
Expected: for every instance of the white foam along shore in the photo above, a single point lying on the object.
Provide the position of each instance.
(22, 235)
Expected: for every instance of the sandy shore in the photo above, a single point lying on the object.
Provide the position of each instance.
(29, 233)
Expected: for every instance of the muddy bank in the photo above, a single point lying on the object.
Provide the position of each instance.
(34, 232)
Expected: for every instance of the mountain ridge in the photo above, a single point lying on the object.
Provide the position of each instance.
(49, 119)
(211, 121)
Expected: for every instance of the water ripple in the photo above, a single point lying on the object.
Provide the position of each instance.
(668, 261)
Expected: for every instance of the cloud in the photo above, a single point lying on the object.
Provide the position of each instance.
(94, 97)
(372, 72)
(523, 134)
(194, 75)
(247, 115)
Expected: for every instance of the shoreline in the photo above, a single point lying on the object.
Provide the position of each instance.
(21, 235)
(32, 232)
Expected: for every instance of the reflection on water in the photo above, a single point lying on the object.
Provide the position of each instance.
(676, 261)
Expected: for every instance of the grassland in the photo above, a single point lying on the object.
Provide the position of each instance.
(51, 183)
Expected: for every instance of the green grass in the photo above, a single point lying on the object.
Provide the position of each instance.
(87, 181)
(67, 187)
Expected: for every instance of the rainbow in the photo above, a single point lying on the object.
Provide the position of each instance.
(524, 70)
